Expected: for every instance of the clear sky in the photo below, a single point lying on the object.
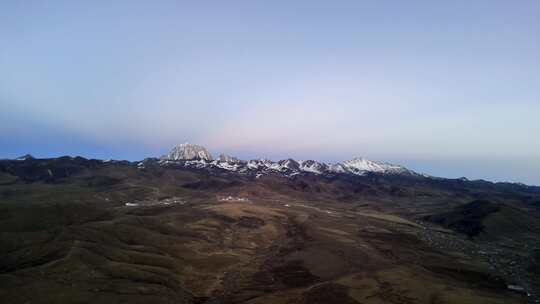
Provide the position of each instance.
(449, 88)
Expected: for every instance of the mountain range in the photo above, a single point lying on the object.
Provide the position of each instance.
(196, 156)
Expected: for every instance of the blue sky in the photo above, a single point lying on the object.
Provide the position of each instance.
(447, 88)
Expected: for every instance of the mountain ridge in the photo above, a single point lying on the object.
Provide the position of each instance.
(200, 158)
(197, 156)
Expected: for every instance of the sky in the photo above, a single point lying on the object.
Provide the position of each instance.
(448, 88)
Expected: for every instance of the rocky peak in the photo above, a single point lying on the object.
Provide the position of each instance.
(290, 164)
(188, 152)
(228, 159)
(313, 166)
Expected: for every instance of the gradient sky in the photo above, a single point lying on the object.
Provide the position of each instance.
(449, 88)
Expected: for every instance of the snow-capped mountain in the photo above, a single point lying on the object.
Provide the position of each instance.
(313, 166)
(188, 152)
(361, 165)
(25, 157)
(195, 156)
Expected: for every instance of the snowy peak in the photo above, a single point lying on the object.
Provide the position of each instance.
(228, 163)
(288, 164)
(362, 165)
(313, 166)
(25, 157)
(188, 152)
